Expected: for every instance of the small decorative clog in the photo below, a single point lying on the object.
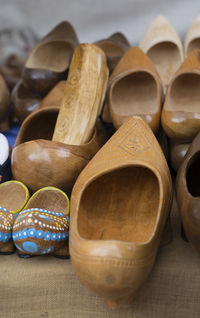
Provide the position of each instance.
(42, 228)
(135, 89)
(13, 197)
(192, 39)
(163, 46)
(5, 164)
(188, 193)
(119, 208)
(114, 48)
(48, 62)
(181, 112)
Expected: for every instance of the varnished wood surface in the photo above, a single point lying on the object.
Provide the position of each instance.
(108, 255)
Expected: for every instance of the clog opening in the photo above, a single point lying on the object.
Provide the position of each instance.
(166, 58)
(120, 205)
(185, 93)
(193, 45)
(193, 175)
(49, 199)
(135, 94)
(12, 195)
(53, 56)
(40, 126)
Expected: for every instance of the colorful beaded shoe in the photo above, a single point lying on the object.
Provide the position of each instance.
(38, 230)
(13, 197)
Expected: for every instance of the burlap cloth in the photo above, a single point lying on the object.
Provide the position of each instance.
(47, 287)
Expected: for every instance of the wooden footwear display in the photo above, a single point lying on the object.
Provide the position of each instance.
(24, 101)
(114, 48)
(188, 193)
(55, 148)
(13, 197)
(49, 60)
(43, 226)
(163, 46)
(119, 207)
(5, 165)
(4, 105)
(181, 112)
(135, 89)
(192, 39)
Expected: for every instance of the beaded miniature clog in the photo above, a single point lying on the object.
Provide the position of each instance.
(13, 197)
(42, 228)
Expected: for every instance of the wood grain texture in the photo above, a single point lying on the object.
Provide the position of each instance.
(119, 207)
(135, 89)
(181, 115)
(163, 46)
(83, 97)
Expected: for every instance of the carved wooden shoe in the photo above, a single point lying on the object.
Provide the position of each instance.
(163, 46)
(13, 197)
(49, 60)
(114, 237)
(4, 105)
(43, 226)
(192, 39)
(135, 89)
(181, 113)
(24, 101)
(114, 48)
(54, 97)
(5, 164)
(55, 148)
(188, 193)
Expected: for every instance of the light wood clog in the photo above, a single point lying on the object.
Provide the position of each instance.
(163, 46)
(181, 111)
(192, 39)
(48, 61)
(51, 148)
(114, 48)
(42, 227)
(119, 208)
(13, 197)
(135, 89)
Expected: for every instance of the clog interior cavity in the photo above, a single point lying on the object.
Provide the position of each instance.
(185, 93)
(40, 126)
(49, 199)
(193, 175)
(166, 58)
(135, 94)
(12, 195)
(110, 49)
(53, 56)
(193, 45)
(120, 205)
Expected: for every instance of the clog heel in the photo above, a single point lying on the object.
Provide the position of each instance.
(114, 237)
(13, 197)
(42, 227)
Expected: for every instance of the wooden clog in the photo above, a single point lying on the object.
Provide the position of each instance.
(13, 197)
(48, 61)
(181, 113)
(163, 46)
(4, 105)
(12, 70)
(5, 165)
(119, 207)
(177, 153)
(114, 48)
(24, 101)
(192, 39)
(40, 162)
(43, 226)
(135, 89)
(188, 193)
(54, 97)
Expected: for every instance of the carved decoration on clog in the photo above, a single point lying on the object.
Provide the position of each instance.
(6, 224)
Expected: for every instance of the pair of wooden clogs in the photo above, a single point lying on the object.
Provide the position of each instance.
(35, 226)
